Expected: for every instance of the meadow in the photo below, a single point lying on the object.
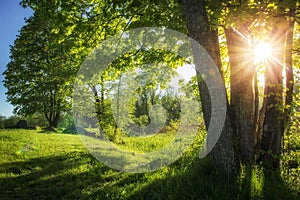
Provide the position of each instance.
(41, 165)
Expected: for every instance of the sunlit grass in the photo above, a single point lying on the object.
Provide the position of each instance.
(257, 182)
(58, 166)
(146, 144)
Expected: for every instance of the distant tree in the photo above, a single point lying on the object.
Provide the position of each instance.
(11, 121)
(2, 121)
(36, 120)
(38, 77)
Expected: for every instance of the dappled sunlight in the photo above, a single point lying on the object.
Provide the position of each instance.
(257, 182)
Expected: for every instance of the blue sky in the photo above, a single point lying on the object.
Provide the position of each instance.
(11, 21)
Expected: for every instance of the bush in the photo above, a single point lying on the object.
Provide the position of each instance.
(11, 122)
(22, 124)
(66, 122)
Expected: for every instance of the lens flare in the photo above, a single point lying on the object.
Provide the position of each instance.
(19, 152)
(262, 51)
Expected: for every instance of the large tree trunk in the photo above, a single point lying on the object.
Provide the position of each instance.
(51, 114)
(53, 119)
(241, 92)
(223, 154)
(273, 121)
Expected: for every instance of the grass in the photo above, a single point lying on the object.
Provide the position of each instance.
(147, 144)
(57, 166)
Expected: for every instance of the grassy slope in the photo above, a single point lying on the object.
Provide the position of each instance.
(57, 166)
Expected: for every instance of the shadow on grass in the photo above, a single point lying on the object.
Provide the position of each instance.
(46, 131)
(279, 190)
(50, 177)
(201, 181)
(78, 175)
(204, 181)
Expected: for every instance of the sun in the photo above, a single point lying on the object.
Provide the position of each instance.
(262, 52)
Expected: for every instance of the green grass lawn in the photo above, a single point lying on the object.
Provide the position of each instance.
(37, 165)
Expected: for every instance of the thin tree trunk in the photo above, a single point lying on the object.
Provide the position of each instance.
(257, 122)
(118, 105)
(259, 131)
(102, 107)
(199, 29)
(98, 108)
(289, 73)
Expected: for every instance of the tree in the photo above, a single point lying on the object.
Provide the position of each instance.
(45, 58)
(199, 28)
(36, 75)
(289, 71)
(241, 93)
(240, 36)
(244, 101)
(277, 112)
(254, 26)
(2, 121)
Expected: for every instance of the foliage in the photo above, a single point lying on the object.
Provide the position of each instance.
(33, 121)
(37, 76)
(2, 121)
(9, 122)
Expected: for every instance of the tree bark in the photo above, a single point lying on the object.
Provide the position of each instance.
(256, 121)
(98, 106)
(273, 121)
(53, 119)
(198, 25)
(241, 92)
(289, 72)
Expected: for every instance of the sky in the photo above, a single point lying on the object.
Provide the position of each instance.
(11, 21)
